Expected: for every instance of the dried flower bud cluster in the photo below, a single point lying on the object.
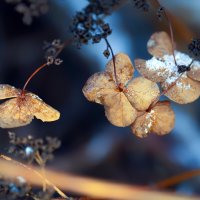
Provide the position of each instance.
(30, 8)
(194, 47)
(52, 49)
(88, 25)
(13, 189)
(129, 103)
(160, 12)
(28, 147)
(182, 76)
(141, 4)
(18, 188)
(22, 107)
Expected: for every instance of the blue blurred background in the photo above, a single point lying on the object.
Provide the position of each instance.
(90, 144)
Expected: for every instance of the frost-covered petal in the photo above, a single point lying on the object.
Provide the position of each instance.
(165, 68)
(159, 44)
(143, 124)
(8, 91)
(98, 86)
(194, 73)
(149, 70)
(164, 118)
(159, 120)
(141, 92)
(40, 109)
(120, 113)
(124, 68)
(13, 114)
(183, 91)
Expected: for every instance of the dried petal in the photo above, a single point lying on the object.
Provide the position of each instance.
(124, 68)
(159, 44)
(20, 110)
(184, 91)
(164, 118)
(121, 113)
(194, 73)
(160, 120)
(149, 72)
(40, 109)
(142, 92)
(97, 86)
(14, 115)
(7, 91)
(143, 124)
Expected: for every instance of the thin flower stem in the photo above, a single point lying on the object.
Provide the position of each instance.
(170, 29)
(113, 58)
(66, 43)
(32, 75)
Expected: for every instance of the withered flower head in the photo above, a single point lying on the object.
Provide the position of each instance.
(121, 102)
(20, 109)
(184, 74)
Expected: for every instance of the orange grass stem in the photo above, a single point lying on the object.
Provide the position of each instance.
(174, 180)
(97, 189)
(33, 172)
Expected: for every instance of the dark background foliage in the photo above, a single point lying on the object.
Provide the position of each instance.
(90, 144)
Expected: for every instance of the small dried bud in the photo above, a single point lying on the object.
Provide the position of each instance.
(106, 53)
(58, 61)
(50, 60)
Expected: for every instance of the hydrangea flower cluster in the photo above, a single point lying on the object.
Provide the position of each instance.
(30, 8)
(130, 102)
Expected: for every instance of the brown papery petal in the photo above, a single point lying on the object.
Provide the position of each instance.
(13, 114)
(194, 73)
(40, 109)
(142, 92)
(120, 113)
(124, 68)
(98, 86)
(159, 44)
(7, 91)
(143, 124)
(164, 118)
(184, 91)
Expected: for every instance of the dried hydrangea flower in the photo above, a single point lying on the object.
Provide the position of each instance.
(159, 120)
(120, 102)
(30, 8)
(22, 108)
(182, 73)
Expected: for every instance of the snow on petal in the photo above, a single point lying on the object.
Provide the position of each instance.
(150, 70)
(165, 69)
(184, 90)
(143, 124)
